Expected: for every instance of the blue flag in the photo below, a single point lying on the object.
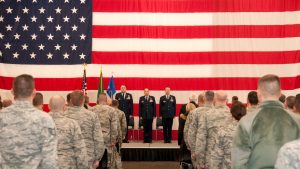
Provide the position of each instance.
(111, 89)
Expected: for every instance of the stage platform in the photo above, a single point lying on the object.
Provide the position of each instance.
(156, 151)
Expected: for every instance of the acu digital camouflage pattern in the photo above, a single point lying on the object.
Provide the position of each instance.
(90, 129)
(71, 149)
(28, 138)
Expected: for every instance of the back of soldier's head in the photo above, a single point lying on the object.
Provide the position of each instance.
(6, 103)
(252, 98)
(282, 98)
(221, 97)
(77, 98)
(297, 104)
(269, 86)
(102, 98)
(201, 99)
(57, 104)
(209, 96)
(115, 103)
(23, 86)
(38, 99)
(234, 99)
(238, 110)
(290, 102)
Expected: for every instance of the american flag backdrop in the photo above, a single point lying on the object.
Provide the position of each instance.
(189, 45)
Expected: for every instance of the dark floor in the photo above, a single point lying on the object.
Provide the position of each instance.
(150, 165)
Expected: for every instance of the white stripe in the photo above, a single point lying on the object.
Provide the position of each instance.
(154, 71)
(194, 19)
(181, 96)
(196, 45)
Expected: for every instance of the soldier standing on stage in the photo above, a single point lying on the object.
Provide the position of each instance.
(126, 105)
(147, 111)
(167, 110)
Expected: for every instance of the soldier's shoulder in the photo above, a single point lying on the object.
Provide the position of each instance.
(293, 146)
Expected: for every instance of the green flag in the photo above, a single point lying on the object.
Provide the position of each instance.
(100, 84)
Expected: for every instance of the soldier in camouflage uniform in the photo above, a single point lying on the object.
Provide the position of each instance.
(122, 130)
(192, 128)
(289, 154)
(28, 137)
(209, 122)
(71, 147)
(89, 125)
(221, 152)
(109, 122)
(252, 101)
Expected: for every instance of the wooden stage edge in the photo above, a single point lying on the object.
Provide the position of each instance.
(153, 145)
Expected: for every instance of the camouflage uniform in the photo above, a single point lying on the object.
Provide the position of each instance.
(221, 152)
(289, 156)
(251, 108)
(28, 138)
(188, 121)
(71, 147)
(193, 128)
(91, 131)
(209, 122)
(109, 122)
(122, 129)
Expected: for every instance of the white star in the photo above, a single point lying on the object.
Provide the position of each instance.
(73, 47)
(74, 10)
(1, 36)
(50, 37)
(66, 19)
(66, 1)
(25, 10)
(58, 10)
(82, 19)
(42, 10)
(66, 55)
(17, 0)
(82, 37)
(82, 56)
(82, 1)
(0, 54)
(17, 19)
(25, 46)
(41, 47)
(16, 55)
(2, 1)
(34, 1)
(33, 36)
(42, 28)
(17, 36)
(74, 28)
(32, 55)
(33, 19)
(9, 10)
(8, 28)
(1, 18)
(58, 28)
(66, 36)
(50, 1)
(57, 47)
(50, 19)
(25, 27)
(49, 55)
(7, 46)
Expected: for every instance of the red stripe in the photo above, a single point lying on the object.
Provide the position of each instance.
(196, 57)
(195, 5)
(185, 32)
(59, 84)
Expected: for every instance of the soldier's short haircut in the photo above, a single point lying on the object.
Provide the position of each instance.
(282, 98)
(77, 98)
(238, 110)
(23, 86)
(252, 98)
(201, 98)
(209, 95)
(235, 98)
(269, 85)
(290, 102)
(297, 103)
(38, 99)
(115, 103)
